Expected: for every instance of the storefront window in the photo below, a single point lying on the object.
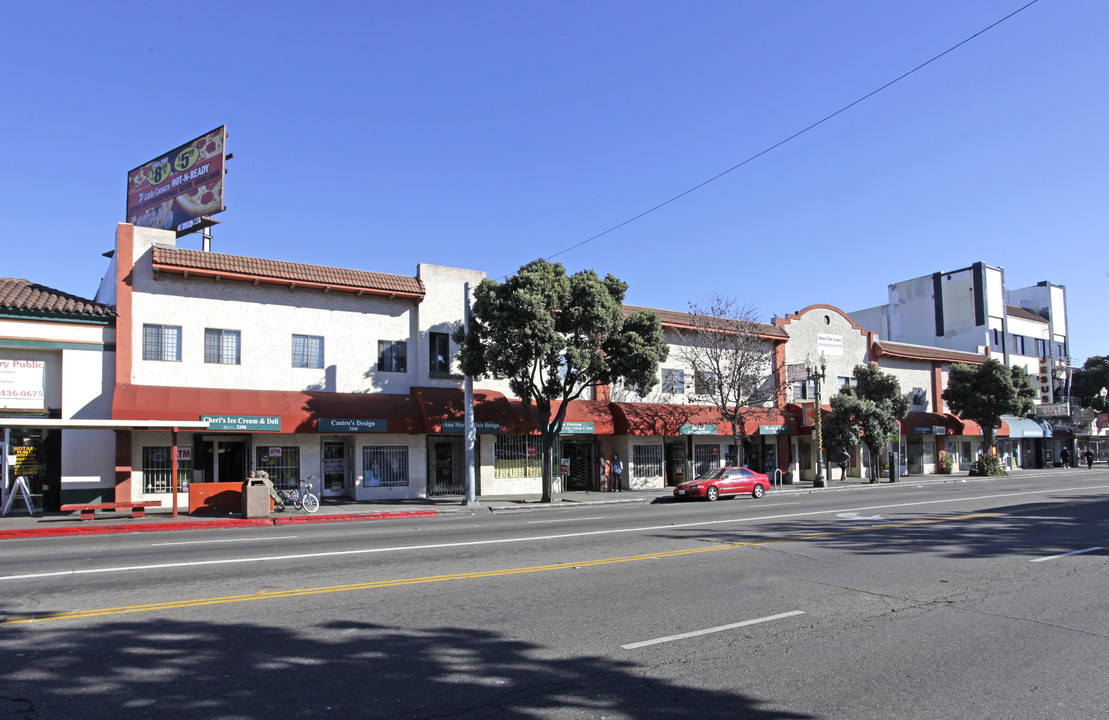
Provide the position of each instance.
(705, 457)
(385, 466)
(647, 461)
(282, 464)
(157, 468)
(517, 456)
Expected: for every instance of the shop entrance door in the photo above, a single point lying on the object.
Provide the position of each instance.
(916, 458)
(335, 470)
(580, 455)
(675, 463)
(222, 458)
(446, 466)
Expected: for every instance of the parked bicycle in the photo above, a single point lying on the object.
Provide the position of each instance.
(301, 499)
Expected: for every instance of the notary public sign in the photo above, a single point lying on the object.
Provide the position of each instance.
(22, 383)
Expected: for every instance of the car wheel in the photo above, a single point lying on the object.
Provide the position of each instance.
(757, 491)
(712, 493)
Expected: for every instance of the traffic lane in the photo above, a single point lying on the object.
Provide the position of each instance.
(942, 537)
(269, 568)
(551, 641)
(200, 544)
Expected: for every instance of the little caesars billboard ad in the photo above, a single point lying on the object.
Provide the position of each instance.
(174, 191)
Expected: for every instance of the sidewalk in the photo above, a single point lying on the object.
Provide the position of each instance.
(18, 524)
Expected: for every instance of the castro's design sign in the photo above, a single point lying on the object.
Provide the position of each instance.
(355, 425)
(251, 423)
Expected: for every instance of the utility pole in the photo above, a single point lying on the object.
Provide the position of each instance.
(468, 414)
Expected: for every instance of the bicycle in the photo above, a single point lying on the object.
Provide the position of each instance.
(300, 499)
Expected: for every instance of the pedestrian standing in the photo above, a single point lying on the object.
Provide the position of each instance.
(1064, 455)
(1089, 456)
(617, 470)
(843, 460)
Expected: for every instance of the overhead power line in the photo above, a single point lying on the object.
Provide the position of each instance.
(795, 135)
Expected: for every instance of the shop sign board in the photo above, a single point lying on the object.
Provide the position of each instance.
(577, 428)
(1052, 410)
(481, 427)
(250, 423)
(175, 189)
(22, 384)
(829, 344)
(773, 429)
(698, 430)
(355, 425)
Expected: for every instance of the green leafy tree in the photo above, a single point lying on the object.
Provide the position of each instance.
(553, 336)
(983, 393)
(867, 412)
(1087, 383)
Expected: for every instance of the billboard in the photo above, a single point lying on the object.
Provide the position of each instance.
(173, 190)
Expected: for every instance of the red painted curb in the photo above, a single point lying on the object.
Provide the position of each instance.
(207, 524)
(300, 519)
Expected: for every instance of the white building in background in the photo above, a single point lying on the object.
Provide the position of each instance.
(972, 310)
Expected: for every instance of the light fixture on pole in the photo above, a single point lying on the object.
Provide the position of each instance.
(816, 377)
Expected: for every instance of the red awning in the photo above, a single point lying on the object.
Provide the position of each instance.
(299, 411)
(663, 419)
(588, 411)
(950, 424)
(438, 405)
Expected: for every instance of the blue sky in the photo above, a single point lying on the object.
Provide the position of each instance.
(485, 134)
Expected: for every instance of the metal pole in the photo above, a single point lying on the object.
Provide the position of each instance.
(471, 434)
(819, 481)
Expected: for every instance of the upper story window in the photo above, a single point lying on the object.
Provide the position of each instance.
(439, 354)
(1041, 348)
(804, 390)
(307, 351)
(1018, 344)
(673, 381)
(221, 346)
(392, 356)
(995, 340)
(161, 342)
(704, 383)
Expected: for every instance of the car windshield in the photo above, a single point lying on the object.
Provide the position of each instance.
(713, 474)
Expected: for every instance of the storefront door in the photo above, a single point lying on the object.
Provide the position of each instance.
(446, 471)
(222, 458)
(580, 455)
(335, 470)
(675, 463)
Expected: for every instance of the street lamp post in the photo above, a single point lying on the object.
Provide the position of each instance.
(816, 378)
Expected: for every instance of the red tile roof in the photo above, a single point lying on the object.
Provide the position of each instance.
(925, 352)
(237, 267)
(23, 297)
(674, 319)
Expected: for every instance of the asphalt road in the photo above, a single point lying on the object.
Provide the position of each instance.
(975, 600)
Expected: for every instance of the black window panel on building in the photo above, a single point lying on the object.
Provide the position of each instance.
(307, 351)
(221, 346)
(439, 354)
(673, 381)
(385, 466)
(161, 342)
(282, 464)
(392, 356)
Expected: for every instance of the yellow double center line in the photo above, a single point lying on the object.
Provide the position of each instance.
(277, 595)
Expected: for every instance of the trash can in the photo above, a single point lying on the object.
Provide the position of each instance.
(256, 498)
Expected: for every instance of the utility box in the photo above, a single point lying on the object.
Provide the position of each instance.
(256, 498)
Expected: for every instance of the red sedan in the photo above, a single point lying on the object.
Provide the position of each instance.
(714, 483)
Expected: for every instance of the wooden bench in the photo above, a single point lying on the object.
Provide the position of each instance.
(88, 510)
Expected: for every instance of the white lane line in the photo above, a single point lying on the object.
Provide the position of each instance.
(1073, 552)
(708, 631)
(238, 540)
(536, 538)
(540, 522)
